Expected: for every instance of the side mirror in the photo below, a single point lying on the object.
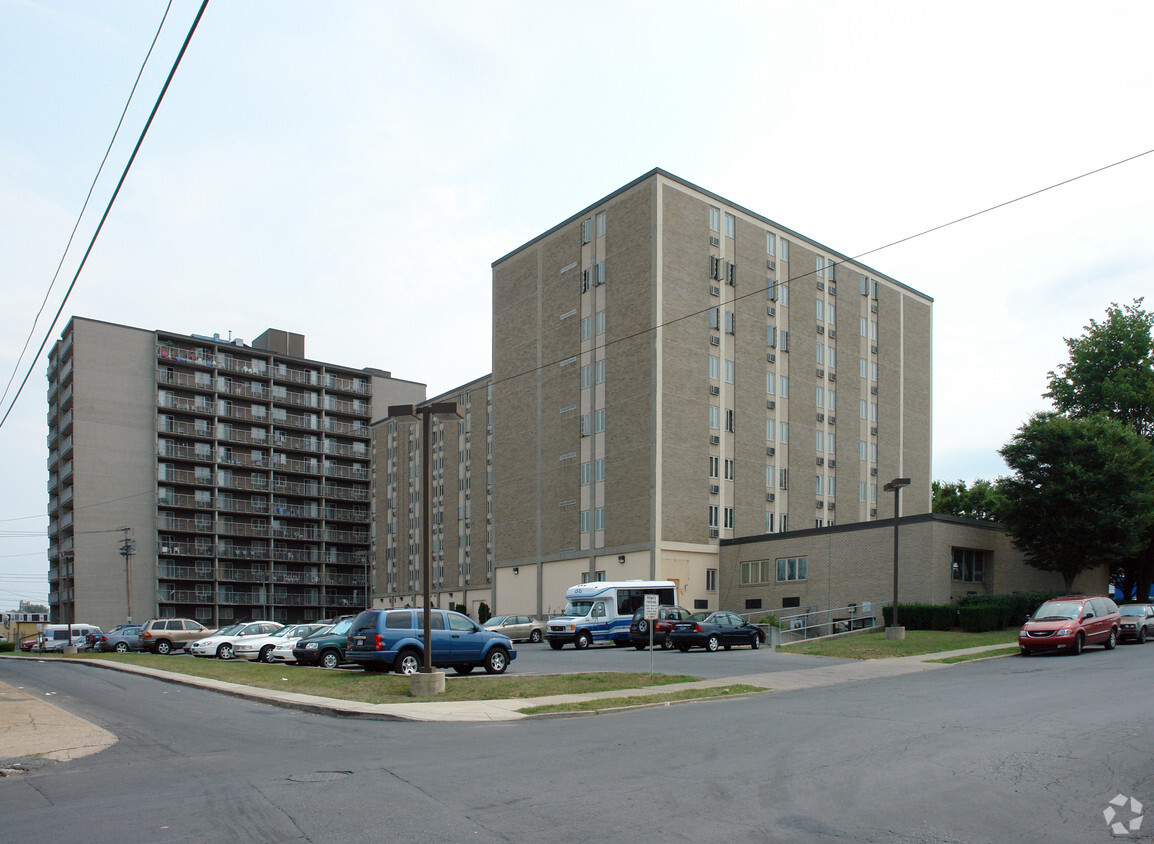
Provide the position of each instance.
(1027, 618)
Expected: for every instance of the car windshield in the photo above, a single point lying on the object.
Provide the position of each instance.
(1136, 609)
(495, 620)
(228, 631)
(296, 631)
(579, 609)
(341, 627)
(699, 616)
(1058, 611)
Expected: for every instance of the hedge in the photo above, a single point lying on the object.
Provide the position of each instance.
(923, 616)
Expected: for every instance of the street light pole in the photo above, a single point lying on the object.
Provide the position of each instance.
(426, 414)
(895, 486)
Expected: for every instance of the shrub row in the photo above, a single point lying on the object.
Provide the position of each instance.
(923, 616)
(973, 613)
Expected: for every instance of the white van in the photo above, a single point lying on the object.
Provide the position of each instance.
(601, 611)
(55, 636)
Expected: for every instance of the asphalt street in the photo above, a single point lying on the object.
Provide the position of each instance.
(1002, 750)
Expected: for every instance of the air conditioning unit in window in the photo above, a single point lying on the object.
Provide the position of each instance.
(873, 432)
(714, 439)
(821, 285)
(832, 463)
(832, 420)
(797, 624)
(874, 471)
(771, 404)
(873, 350)
(714, 390)
(832, 334)
(820, 505)
(832, 290)
(873, 391)
(714, 489)
(714, 241)
(873, 511)
(714, 290)
(821, 461)
(821, 373)
(821, 329)
(770, 263)
(770, 451)
(714, 340)
(821, 417)
(769, 496)
(713, 533)
(874, 307)
(832, 376)
(771, 357)
(771, 311)
(831, 506)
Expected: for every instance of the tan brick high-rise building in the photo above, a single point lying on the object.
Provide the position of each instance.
(671, 369)
(242, 472)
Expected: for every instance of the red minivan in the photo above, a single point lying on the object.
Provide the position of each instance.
(1069, 624)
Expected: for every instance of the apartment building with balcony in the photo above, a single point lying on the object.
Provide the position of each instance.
(671, 369)
(461, 505)
(242, 472)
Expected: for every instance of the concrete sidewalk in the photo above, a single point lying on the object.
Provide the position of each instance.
(30, 726)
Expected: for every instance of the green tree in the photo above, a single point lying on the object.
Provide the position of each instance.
(26, 606)
(1081, 494)
(980, 501)
(1111, 371)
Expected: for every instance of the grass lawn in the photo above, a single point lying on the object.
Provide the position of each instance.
(876, 646)
(950, 660)
(385, 688)
(638, 700)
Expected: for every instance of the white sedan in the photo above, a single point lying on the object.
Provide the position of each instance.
(221, 643)
(262, 647)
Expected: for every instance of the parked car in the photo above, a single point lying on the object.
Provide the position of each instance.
(261, 647)
(325, 648)
(165, 635)
(519, 628)
(221, 643)
(1136, 622)
(713, 630)
(56, 637)
(122, 641)
(380, 640)
(639, 627)
(1069, 624)
(30, 643)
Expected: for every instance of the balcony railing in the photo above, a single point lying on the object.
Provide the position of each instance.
(186, 429)
(176, 499)
(347, 536)
(282, 440)
(342, 515)
(356, 473)
(296, 376)
(346, 493)
(188, 380)
(231, 505)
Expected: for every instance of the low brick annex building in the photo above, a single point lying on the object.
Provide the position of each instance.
(941, 559)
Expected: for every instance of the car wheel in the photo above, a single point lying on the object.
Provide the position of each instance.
(643, 626)
(163, 648)
(122, 647)
(683, 648)
(712, 643)
(666, 644)
(555, 645)
(224, 651)
(582, 641)
(330, 659)
(1025, 652)
(497, 661)
(464, 669)
(1142, 636)
(535, 636)
(1113, 640)
(266, 654)
(1078, 641)
(638, 647)
(408, 662)
(754, 641)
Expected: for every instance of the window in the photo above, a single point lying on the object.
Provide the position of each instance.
(819, 485)
(714, 220)
(715, 267)
(863, 286)
(729, 372)
(586, 376)
(586, 328)
(770, 244)
(770, 477)
(771, 289)
(829, 443)
(599, 469)
(874, 330)
(830, 404)
(783, 479)
(601, 322)
(861, 326)
(599, 372)
(783, 432)
(599, 421)
(599, 273)
(861, 451)
(714, 416)
(713, 515)
(730, 322)
(756, 571)
(862, 369)
(783, 384)
(771, 336)
(729, 420)
(730, 225)
(820, 353)
(829, 312)
(601, 224)
(711, 580)
(873, 371)
(585, 473)
(586, 231)
(873, 411)
(783, 523)
(770, 383)
(969, 565)
(585, 521)
(819, 397)
(783, 293)
(874, 452)
(714, 466)
(819, 439)
(599, 520)
(820, 268)
(729, 517)
(819, 310)
(715, 317)
(770, 430)
(783, 249)
(861, 491)
(791, 568)
(729, 469)
(714, 368)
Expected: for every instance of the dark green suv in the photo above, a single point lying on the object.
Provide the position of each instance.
(326, 647)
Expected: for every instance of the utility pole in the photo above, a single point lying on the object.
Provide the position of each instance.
(127, 549)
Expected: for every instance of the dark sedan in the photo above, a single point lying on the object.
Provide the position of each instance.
(122, 641)
(1137, 622)
(713, 630)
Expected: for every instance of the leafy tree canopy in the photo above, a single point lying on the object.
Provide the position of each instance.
(1081, 493)
(1111, 370)
(979, 501)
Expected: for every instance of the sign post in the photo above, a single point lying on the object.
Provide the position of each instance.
(651, 617)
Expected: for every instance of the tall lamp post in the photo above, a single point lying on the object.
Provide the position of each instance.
(895, 630)
(426, 682)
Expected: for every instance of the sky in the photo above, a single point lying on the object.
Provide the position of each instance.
(350, 172)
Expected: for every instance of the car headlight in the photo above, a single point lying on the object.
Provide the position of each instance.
(310, 646)
(1065, 631)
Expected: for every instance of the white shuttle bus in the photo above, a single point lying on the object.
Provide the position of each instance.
(601, 611)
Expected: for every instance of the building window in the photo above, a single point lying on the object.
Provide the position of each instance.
(783, 387)
(819, 438)
(783, 249)
(783, 432)
(711, 580)
(873, 371)
(714, 220)
(599, 372)
(770, 430)
(770, 383)
(861, 326)
(585, 521)
(755, 571)
(819, 310)
(599, 518)
(599, 421)
(586, 231)
(770, 244)
(601, 224)
(714, 368)
(729, 469)
(715, 317)
(783, 523)
(969, 565)
(861, 491)
(599, 469)
(862, 369)
(713, 514)
(585, 473)
(729, 420)
(586, 328)
(729, 372)
(729, 517)
(819, 485)
(771, 336)
(819, 397)
(730, 225)
(791, 568)
(586, 376)
(601, 322)
(714, 416)
(771, 289)
(830, 400)
(861, 408)
(770, 477)
(820, 268)
(783, 479)
(783, 293)
(714, 467)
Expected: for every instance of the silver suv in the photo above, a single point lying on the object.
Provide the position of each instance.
(165, 635)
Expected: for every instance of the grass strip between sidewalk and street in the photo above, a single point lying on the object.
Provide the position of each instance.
(386, 688)
(877, 646)
(950, 660)
(639, 700)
